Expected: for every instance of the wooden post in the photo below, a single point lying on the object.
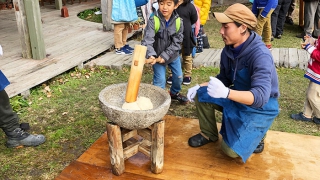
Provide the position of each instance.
(138, 61)
(301, 14)
(58, 4)
(35, 28)
(157, 147)
(106, 8)
(22, 28)
(115, 148)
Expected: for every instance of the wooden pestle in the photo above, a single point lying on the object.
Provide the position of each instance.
(137, 64)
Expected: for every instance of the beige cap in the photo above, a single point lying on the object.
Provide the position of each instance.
(238, 13)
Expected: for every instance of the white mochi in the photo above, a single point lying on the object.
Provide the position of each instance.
(131, 106)
(144, 103)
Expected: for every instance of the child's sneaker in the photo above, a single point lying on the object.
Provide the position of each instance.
(186, 80)
(119, 51)
(269, 46)
(128, 47)
(182, 99)
(123, 51)
(169, 80)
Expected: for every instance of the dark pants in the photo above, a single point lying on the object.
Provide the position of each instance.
(291, 8)
(8, 118)
(312, 18)
(278, 17)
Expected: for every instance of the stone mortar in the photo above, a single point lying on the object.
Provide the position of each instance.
(113, 97)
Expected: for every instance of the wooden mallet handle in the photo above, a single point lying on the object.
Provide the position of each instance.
(137, 64)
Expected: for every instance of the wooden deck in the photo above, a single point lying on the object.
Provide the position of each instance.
(68, 41)
(286, 156)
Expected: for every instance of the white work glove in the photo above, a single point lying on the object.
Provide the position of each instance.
(192, 92)
(1, 52)
(217, 89)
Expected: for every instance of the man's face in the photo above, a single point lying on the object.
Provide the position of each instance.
(231, 34)
(166, 7)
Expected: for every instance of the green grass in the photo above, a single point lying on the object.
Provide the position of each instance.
(66, 110)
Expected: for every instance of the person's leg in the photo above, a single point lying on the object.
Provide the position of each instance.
(310, 8)
(117, 33)
(9, 123)
(267, 29)
(125, 33)
(306, 115)
(176, 70)
(187, 68)
(274, 19)
(9, 120)
(227, 150)
(314, 100)
(159, 75)
(316, 30)
(282, 17)
(292, 6)
(187, 61)
(177, 77)
(207, 118)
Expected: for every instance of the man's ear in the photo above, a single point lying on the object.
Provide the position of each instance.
(243, 28)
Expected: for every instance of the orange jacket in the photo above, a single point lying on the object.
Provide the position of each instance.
(204, 6)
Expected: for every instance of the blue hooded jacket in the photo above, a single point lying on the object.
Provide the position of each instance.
(255, 56)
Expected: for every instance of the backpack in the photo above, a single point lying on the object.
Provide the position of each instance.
(157, 24)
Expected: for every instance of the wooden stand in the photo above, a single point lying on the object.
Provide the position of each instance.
(124, 143)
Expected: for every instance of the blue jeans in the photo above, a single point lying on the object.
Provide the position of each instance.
(159, 75)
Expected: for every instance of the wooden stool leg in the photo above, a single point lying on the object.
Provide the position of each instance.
(115, 148)
(157, 147)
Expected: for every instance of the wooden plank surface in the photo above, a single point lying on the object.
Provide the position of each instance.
(286, 156)
(69, 42)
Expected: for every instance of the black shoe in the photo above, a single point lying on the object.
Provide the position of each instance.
(272, 38)
(300, 117)
(19, 137)
(301, 35)
(182, 99)
(259, 148)
(186, 80)
(278, 36)
(198, 140)
(316, 120)
(169, 80)
(289, 21)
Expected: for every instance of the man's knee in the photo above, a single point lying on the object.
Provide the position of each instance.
(227, 150)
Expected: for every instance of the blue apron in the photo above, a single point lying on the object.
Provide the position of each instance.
(243, 126)
(3, 81)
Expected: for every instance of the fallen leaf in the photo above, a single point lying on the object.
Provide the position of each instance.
(47, 88)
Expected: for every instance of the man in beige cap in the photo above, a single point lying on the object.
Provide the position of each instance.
(245, 91)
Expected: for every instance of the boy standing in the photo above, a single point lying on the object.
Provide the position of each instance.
(263, 9)
(163, 46)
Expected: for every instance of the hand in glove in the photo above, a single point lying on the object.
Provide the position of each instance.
(192, 92)
(217, 89)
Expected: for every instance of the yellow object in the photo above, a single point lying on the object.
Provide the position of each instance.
(204, 6)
